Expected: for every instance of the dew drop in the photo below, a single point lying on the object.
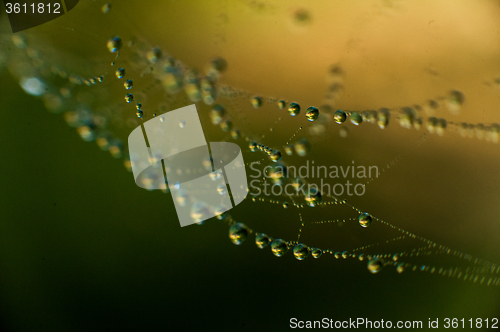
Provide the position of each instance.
(356, 118)
(114, 44)
(365, 219)
(182, 123)
(120, 72)
(302, 147)
(222, 189)
(129, 98)
(375, 265)
(275, 156)
(238, 233)
(279, 247)
(262, 240)
(316, 253)
(154, 55)
(281, 104)
(455, 101)
(301, 251)
(139, 114)
(400, 268)
(217, 113)
(313, 197)
(312, 113)
(200, 211)
(105, 8)
(256, 102)
(339, 116)
(235, 134)
(294, 109)
(128, 84)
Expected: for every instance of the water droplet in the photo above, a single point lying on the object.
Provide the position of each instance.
(365, 219)
(100, 79)
(316, 253)
(182, 124)
(339, 116)
(407, 117)
(128, 84)
(294, 109)
(154, 55)
(256, 102)
(162, 118)
(200, 211)
(215, 67)
(356, 118)
(285, 205)
(114, 44)
(181, 197)
(262, 240)
(400, 268)
(120, 72)
(226, 126)
(302, 147)
(238, 233)
(221, 212)
(281, 104)
(275, 156)
(301, 251)
(455, 101)
(337, 255)
(302, 16)
(33, 86)
(139, 113)
(217, 113)
(105, 8)
(312, 113)
(375, 265)
(129, 98)
(345, 254)
(252, 146)
(222, 189)
(235, 134)
(288, 149)
(215, 175)
(313, 197)
(279, 247)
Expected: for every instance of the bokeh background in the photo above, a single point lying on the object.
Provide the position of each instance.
(82, 248)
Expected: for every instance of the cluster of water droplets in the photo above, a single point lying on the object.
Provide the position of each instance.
(202, 86)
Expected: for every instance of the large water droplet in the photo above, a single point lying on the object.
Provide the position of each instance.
(128, 84)
(316, 253)
(238, 233)
(279, 247)
(365, 219)
(312, 113)
(256, 102)
(339, 116)
(356, 118)
(294, 109)
(120, 72)
(114, 44)
(262, 240)
(301, 251)
(375, 265)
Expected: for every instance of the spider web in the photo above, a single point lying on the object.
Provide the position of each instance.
(423, 187)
